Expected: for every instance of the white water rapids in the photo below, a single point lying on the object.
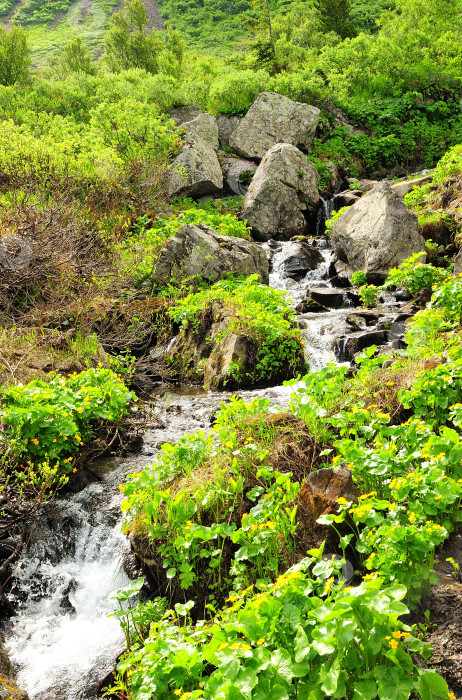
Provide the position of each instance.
(61, 640)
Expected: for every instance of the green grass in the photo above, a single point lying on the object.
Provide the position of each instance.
(46, 40)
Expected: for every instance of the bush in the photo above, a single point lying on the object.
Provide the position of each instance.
(49, 421)
(259, 312)
(14, 56)
(415, 275)
(237, 90)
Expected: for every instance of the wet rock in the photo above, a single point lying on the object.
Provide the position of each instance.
(282, 194)
(339, 273)
(376, 234)
(5, 664)
(458, 263)
(233, 350)
(346, 198)
(333, 298)
(199, 250)
(196, 171)
(204, 127)
(10, 691)
(300, 259)
(323, 487)
(347, 347)
(274, 119)
(402, 188)
(310, 306)
(226, 126)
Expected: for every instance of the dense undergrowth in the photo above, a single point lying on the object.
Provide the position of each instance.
(226, 515)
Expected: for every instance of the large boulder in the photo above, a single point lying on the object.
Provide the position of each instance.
(196, 170)
(300, 259)
(226, 126)
(204, 127)
(377, 233)
(283, 194)
(197, 249)
(274, 119)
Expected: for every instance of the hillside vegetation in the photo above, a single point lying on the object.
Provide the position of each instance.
(96, 107)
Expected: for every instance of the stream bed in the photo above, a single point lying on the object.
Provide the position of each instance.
(61, 639)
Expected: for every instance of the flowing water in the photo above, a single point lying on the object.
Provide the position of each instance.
(61, 639)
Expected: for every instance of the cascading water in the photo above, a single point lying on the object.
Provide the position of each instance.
(61, 640)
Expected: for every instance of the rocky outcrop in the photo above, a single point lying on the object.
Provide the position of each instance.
(377, 233)
(197, 249)
(319, 493)
(274, 119)
(402, 188)
(300, 259)
(458, 263)
(180, 115)
(204, 127)
(233, 350)
(10, 691)
(226, 126)
(196, 171)
(283, 194)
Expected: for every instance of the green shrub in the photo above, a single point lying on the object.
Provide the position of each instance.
(415, 275)
(236, 91)
(49, 421)
(259, 312)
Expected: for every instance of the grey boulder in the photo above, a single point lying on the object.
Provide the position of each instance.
(197, 249)
(204, 127)
(274, 119)
(196, 171)
(283, 194)
(377, 233)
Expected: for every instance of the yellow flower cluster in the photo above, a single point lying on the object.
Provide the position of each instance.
(361, 510)
(235, 646)
(367, 495)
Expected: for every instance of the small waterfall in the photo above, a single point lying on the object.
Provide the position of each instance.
(61, 639)
(326, 207)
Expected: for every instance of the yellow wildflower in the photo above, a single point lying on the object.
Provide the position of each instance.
(177, 692)
(260, 641)
(35, 441)
(412, 517)
(236, 645)
(393, 643)
(223, 646)
(328, 584)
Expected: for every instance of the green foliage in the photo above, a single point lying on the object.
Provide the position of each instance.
(76, 58)
(335, 215)
(235, 91)
(259, 312)
(49, 421)
(369, 295)
(335, 17)
(415, 275)
(128, 45)
(302, 636)
(358, 278)
(14, 56)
